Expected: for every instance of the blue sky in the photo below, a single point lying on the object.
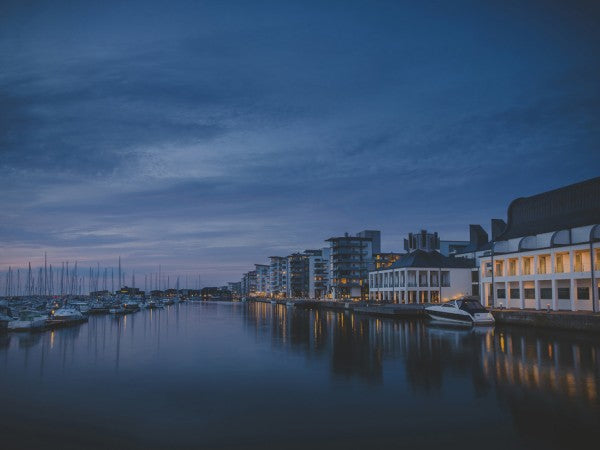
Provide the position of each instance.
(206, 136)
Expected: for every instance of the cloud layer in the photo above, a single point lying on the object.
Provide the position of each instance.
(206, 137)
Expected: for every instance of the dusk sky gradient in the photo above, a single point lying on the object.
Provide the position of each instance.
(207, 136)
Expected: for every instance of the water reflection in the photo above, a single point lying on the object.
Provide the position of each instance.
(549, 381)
(195, 367)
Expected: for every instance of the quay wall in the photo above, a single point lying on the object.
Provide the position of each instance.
(563, 320)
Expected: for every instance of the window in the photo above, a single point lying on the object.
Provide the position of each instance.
(475, 290)
(527, 266)
(583, 293)
(546, 293)
(514, 293)
(445, 279)
(564, 293)
(542, 264)
(512, 267)
(501, 293)
(578, 262)
(560, 267)
(498, 271)
(529, 293)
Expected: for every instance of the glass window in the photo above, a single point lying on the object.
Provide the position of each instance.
(529, 293)
(514, 293)
(501, 293)
(546, 293)
(583, 293)
(564, 293)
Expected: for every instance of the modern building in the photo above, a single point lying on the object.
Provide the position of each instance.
(249, 284)
(351, 259)
(235, 288)
(298, 276)
(383, 260)
(375, 236)
(262, 279)
(278, 271)
(548, 255)
(318, 273)
(422, 277)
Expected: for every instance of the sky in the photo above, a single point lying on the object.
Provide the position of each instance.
(206, 136)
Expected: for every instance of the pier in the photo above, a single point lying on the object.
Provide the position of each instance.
(558, 320)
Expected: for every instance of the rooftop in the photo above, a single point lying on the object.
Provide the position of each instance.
(571, 206)
(434, 259)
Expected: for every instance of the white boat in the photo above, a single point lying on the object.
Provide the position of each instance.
(117, 309)
(26, 323)
(465, 310)
(66, 314)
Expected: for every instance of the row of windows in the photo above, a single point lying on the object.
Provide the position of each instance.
(563, 293)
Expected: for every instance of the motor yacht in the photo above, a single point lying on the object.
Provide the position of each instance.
(66, 314)
(465, 310)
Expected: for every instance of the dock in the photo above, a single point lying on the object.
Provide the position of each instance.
(558, 320)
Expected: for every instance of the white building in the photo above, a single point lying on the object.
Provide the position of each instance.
(422, 277)
(544, 257)
(278, 274)
(318, 273)
(262, 279)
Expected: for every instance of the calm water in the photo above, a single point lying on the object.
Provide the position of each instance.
(257, 376)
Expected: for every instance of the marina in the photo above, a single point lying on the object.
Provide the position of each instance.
(217, 375)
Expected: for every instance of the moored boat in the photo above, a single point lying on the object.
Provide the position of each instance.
(465, 310)
(66, 314)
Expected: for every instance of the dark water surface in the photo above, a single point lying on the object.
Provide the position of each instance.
(258, 376)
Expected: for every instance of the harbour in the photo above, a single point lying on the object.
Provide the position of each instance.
(216, 375)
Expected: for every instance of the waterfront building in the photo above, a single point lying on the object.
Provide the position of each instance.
(351, 259)
(421, 277)
(235, 288)
(298, 275)
(375, 236)
(318, 273)
(548, 255)
(278, 271)
(262, 279)
(383, 260)
(249, 284)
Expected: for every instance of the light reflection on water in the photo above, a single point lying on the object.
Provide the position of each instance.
(244, 376)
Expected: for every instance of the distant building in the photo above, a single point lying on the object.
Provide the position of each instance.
(248, 284)
(375, 236)
(421, 277)
(235, 288)
(318, 273)
(298, 276)
(262, 279)
(131, 291)
(215, 293)
(383, 260)
(448, 248)
(351, 258)
(548, 254)
(278, 270)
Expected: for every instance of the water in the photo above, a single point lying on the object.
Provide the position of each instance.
(258, 376)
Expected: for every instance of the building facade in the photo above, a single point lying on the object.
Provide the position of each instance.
(351, 259)
(298, 276)
(278, 274)
(262, 279)
(318, 274)
(548, 255)
(422, 277)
